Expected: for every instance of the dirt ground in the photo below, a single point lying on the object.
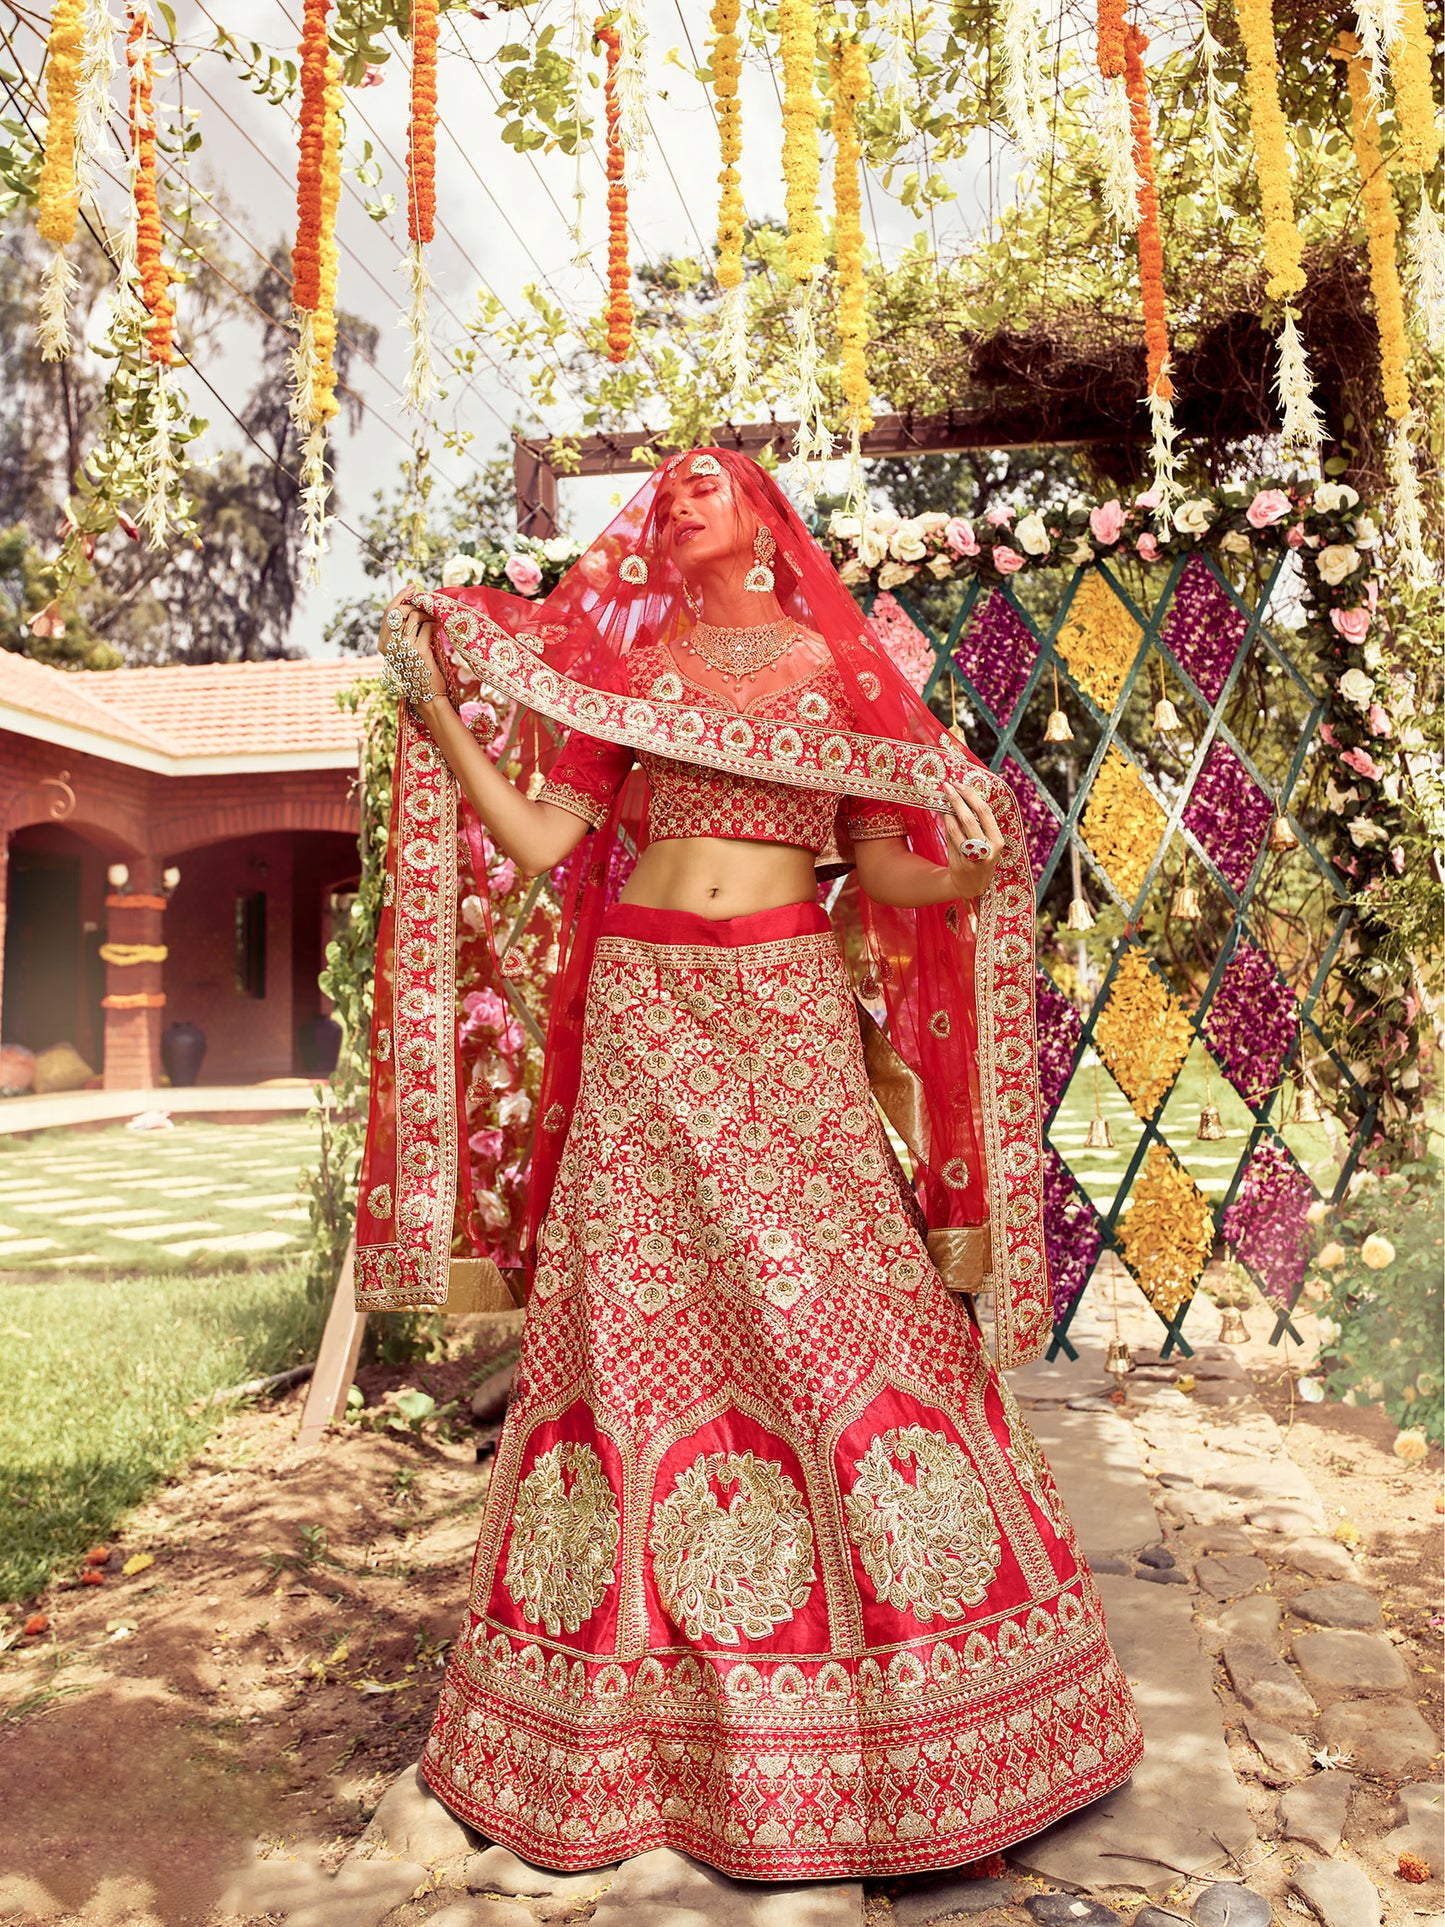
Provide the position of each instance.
(277, 1662)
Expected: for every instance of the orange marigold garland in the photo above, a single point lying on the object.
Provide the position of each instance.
(311, 140)
(155, 277)
(726, 71)
(619, 275)
(58, 189)
(421, 196)
(318, 191)
(1151, 272)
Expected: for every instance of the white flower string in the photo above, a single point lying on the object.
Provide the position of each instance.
(1216, 138)
(421, 376)
(158, 467)
(1408, 514)
(1162, 452)
(1302, 426)
(1425, 270)
(575, 58)
(1116, 139)
(732, 340)
(1380, 24)
(814, 443)
(895, 28)
(632, 86)
(1023, 85)
(92, 107)
(58, 281)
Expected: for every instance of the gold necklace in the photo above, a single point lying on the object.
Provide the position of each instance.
(741, 652)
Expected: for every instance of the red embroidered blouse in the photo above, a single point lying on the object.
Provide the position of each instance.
(688, 800)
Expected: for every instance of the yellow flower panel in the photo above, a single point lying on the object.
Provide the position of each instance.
(1143, 1034)
(1122, 824)
(1167, 1233)
(1099, 640)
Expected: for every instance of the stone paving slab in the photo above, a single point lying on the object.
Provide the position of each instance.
(1094, 1457)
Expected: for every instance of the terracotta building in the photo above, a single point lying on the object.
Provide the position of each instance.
(174, 844)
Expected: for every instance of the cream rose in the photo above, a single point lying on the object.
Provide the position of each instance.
(892, 574)
(1377, 1252)
(1235, 542)
(1031, 534)
(1330, 1256)
(846, 528)
(906, 543)
(1331, 497)
(853, 572)
(457, 570)
(1193, 517)
(1336, 562)
(1357, 688)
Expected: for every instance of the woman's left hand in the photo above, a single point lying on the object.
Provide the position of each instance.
(975, 841)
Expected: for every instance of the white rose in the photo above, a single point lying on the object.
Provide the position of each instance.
(474, 915)
(1083, 551)
(1336, 562)
(847, 528)
(1363, 832)
(1031, 535)
(456, 571)
(1366, 534)
(1193, 517)
(853, 572)
(514, 1108)
(872, 547)
(941, 566)
(894, 573)
(882, 522)
(1357, 688)
(931, 523)
(1340, 800)
(1329, 1330)
(1317, 1212)
(560, 548)
(1331, 497)
(907, 543)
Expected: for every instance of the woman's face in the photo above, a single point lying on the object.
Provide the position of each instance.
(699, 524)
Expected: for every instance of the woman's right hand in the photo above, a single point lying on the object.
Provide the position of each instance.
(408, 648)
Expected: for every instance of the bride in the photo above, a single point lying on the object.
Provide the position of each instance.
(771, 1570)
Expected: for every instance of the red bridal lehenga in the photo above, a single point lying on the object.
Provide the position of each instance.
(772, 1569)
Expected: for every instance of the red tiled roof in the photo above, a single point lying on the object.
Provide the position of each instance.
(195, 710)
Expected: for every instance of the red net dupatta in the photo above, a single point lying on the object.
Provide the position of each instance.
(955, 1062)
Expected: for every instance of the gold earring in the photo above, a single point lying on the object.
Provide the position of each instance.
(759, 578)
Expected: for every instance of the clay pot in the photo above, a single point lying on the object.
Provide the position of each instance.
(318, 1045)
(183, 1051)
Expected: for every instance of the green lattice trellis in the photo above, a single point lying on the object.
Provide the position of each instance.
(951, 660)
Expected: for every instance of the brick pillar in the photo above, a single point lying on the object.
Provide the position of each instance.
(133, 1027)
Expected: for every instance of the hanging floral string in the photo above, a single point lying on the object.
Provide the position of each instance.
(59, 193)
(726, 72)
(1151, 274)
(632, 84)
(848, 79)
(144, 309)
(1382, 229)
(1216, 137)
(314, 260)
(155, 278)
(421, 198)
(797, 34)
(1023, 79)
(311, 140)
(1410, 58)
(1121, 180)
(619, 278)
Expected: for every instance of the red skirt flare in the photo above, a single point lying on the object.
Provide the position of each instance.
(772, 1570)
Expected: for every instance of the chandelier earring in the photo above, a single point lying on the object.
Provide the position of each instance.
(759, 578)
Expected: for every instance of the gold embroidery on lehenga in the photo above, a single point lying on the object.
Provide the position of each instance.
(735, 1574)
(1026, 1456)
(931, 1545)
(564, 1539)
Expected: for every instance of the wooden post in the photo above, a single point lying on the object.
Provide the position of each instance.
(535, 481)
(336, 1362)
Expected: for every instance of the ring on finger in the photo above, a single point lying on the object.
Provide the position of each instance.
(975, 849)
(394, 620)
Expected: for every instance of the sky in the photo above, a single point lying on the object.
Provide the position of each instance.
(502, 222)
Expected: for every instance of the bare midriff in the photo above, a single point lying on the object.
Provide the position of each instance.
(714, 876)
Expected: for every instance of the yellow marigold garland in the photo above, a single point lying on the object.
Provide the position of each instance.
(1382, 230)
(801, 167)
(1410, 61)
(726, 71)
(1167, 1233)
(848, 73)
(1282, 243)
(1143, 1033)
(1099, 641)
(1122, 824)
(59, 190)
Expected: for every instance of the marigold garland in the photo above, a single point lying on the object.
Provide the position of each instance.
(1382, 230)
(155, 277)
(1167, 1232)
(311, 142)
(1410, 63)
(1098, 641)
(1111, 39)
(1121, 179)
(1282, 243)
(1151, 244)
(421, 150)
(59, 190)
(1122, 824)
(848, 76)
(726, 72)
(619, 278)
(801, 166)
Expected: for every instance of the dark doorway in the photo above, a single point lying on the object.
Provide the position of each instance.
(43, 949)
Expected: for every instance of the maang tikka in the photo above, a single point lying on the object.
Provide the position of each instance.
(759, 577)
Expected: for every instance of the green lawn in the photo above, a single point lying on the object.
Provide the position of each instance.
(95, 1376)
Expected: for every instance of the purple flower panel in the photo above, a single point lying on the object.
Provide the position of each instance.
(1072, 1236)
(1059, 1025)
(1228, 814)
(1267, 1223)
(1204, 628)
(996, 652)
(1041, 826)
(1252, 1022)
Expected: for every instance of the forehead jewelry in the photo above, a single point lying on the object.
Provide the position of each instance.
(705, 465)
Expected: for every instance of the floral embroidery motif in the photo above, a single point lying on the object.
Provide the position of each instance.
(564, 1539)
(931, 1543)
(378, 1201)
(813, 707)
(634, 569)
(736, 1573)
(667, 688)
(938, 1023)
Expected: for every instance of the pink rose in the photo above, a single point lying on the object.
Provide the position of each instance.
(486, 1145)
(1271, 505)
(1148, 547)
(1006, 560)
(504, 876)
(1352, 624)
(1372, 594)
(1380, 724)
(1327, 734)
(998, 516)
(1295, 535)
(1150, 499)
(1362, 763)
(484, 1010)
(1107, 521)
(959, 536)
(511, 1037)
(523, 574)
(471, 713)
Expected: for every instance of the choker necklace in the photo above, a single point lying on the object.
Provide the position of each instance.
(742, 652)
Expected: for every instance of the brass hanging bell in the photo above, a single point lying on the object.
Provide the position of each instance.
(1281, 836)
(1232, 1328)
(1211, 1125)
(1098, 1137)
(1306, 1106)
(1166, 717)
(1186, 903)
(1118, 1363)
(1057, 730)
(1080, 916)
